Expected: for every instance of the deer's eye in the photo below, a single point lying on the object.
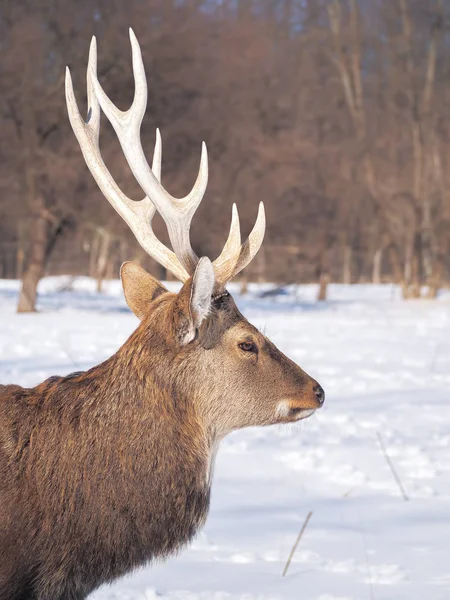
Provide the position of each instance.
(248, 347)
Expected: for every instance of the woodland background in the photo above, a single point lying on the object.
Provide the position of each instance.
(335, 113)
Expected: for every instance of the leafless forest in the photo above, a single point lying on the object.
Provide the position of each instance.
(335, 113)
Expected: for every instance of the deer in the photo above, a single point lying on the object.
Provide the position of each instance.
(105, 470)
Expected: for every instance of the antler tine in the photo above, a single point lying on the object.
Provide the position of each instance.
(138, 215)
(177, 213)
(233, 243)
(93, 105)
(234, 263)
(157, 156)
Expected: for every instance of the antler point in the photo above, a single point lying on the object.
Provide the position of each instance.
(133, 38)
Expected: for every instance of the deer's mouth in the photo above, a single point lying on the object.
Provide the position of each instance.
(297, 414)
(287, 411)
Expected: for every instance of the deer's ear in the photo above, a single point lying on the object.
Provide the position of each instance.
(194, 301)
(139, 287)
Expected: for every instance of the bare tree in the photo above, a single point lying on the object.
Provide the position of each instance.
(334, 112)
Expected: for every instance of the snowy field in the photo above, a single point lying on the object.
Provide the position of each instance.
(385, 367)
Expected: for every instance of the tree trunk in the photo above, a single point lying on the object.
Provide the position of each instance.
(36, 264)
(110, 268)
(434, 283)
(323, 287)
(347, 267)
(376, 267)
(323, 270)
(20, 256)
(103, 258)
(261, 265)
(411, 273)
(415, 281)
(244, 285)
(93, 256)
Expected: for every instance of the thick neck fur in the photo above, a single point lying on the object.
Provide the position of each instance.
(113, 462)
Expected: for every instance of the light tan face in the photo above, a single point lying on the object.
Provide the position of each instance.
(215, 358)
(249, 381)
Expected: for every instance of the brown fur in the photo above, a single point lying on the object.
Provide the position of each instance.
(104, 470)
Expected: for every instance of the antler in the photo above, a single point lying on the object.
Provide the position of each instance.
(177, 213)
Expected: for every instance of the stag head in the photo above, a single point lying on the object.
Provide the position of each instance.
(232, 373)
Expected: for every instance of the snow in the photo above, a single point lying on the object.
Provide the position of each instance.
(385, 366)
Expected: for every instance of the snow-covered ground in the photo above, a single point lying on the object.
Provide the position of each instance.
(385, 366)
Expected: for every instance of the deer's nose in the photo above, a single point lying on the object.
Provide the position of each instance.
(319, 393)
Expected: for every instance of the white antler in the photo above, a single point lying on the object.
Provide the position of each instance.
(177, 213)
